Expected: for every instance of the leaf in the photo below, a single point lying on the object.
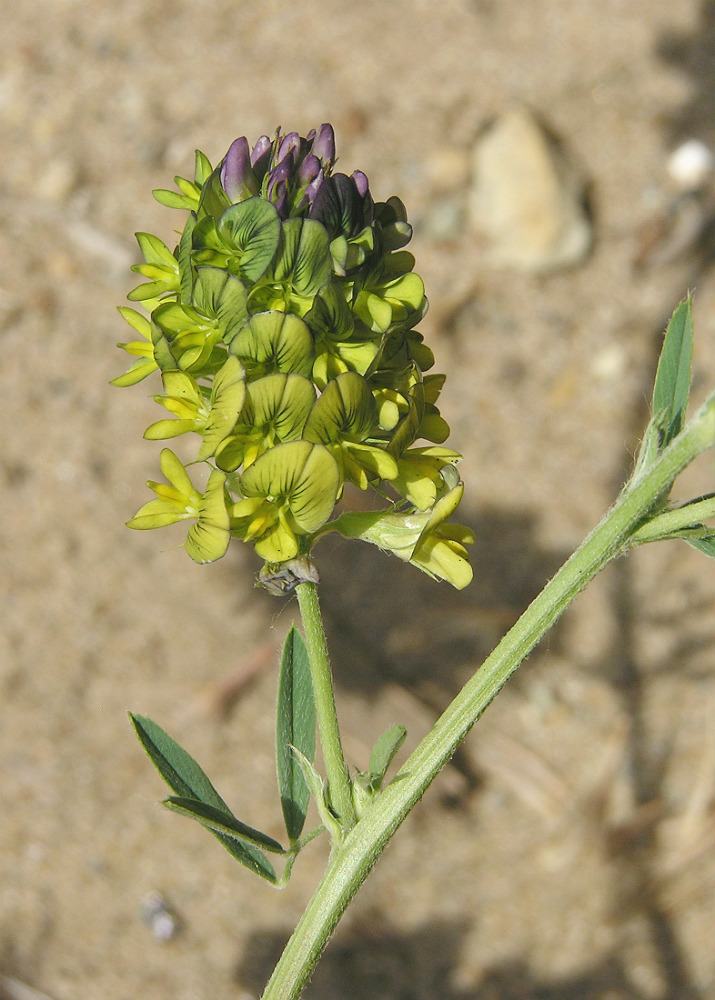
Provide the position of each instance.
(177, 767)
(383, 754)
(705, 545)
(317, 790)
(222, 822)
(295, 728)
(672, 380)
(182, 774)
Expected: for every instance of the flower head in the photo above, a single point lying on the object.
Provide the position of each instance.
(283, 327)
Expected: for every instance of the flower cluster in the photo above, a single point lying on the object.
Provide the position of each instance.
(283, 328)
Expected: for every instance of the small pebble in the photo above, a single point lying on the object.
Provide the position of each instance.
(155, 912)
(691, 165)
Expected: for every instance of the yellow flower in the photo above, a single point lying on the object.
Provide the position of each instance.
(179, 500)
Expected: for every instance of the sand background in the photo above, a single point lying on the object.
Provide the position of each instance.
(567, 852)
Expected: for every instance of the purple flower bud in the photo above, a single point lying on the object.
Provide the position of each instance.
(361, 182)
(235, 174)
(277, 189)
(343, 205)
(309, 169)
(289, 147)
(261, 156)
(323, 144)
(312, 189)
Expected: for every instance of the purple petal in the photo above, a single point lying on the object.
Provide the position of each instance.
(313, 188)
(261, 156)
(290, 146)
(324, 144)
(309, 169)
(361, 182)
(278, 177)
(236, 174)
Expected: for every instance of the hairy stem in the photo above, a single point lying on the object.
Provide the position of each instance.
(339, 789)
(352, 860)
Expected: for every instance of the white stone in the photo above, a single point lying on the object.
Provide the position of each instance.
(691, 165)
(527, 199)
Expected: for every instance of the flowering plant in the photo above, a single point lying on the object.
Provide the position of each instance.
(283, 328)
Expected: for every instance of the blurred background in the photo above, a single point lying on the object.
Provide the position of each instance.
(556, 162)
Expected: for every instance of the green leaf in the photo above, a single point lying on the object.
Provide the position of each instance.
(383, 754)
(295, 728)
(705, 545)
(317, 790)
(222, 822)
(184, 776)
(673, 377)
(177, 767)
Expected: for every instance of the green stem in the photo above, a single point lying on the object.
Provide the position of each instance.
(339, 788)
(671, 522)
(352, 860)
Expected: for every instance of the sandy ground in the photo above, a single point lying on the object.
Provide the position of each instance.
(567, 852)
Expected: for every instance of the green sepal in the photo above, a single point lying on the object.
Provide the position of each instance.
(174, 199)
(138, 371)
(274, 341)
(161, 268)
(295, 729)
(185, 777)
